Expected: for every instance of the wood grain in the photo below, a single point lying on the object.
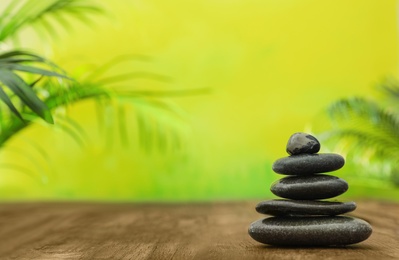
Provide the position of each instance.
(169, 231)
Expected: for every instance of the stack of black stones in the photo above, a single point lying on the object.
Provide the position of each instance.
(303, 218)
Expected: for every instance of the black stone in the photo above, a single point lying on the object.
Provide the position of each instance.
(306, 164)
(304, 207)
(310, 231)
(309, 187)
(300, 143)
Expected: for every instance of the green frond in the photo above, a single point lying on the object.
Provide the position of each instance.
(364, 115)
(390, 90)
(100, 105)
(21, 89)
(31, 159)
(39, 161)
(21, 58)
(57, 96)
(159, 124)
(105, 68)
(123, 133)
(134, 75)
(9, 126)
(30, 69)
(33, 88)
(74, 93)
(12, 64)
(144, 131)
(389, 87)
(165, 93)
(22, 13)
(368, 129)
(74, 125)
(71, 131)
(4, 97)
(23, 170)
(360, 141)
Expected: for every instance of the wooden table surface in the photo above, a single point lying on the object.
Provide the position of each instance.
(174, 231)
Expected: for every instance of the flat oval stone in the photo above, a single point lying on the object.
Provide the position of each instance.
(304, 207)
(300, 143)
(309, 187)
(306, 164)
(310, 231)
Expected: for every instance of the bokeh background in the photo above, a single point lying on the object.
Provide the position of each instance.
(246, 75)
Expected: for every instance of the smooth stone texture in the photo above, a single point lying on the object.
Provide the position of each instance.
(310, 231)
(300, 143)
(306, 164)
(304, 207)
(309, 187)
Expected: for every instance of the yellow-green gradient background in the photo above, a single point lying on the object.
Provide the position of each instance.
(272, 67)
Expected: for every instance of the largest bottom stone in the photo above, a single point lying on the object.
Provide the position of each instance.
(310, 231)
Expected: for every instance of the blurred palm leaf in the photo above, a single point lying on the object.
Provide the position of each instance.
(45, 13)
(158, 120)
(28, 101)
(15, 63)
(16, 66)
(32, 87)
(368, 127)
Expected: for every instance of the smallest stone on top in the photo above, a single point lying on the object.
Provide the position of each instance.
(304, 158)
(300, 143)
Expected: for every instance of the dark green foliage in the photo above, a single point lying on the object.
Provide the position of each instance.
(16, 65)
(12, 63)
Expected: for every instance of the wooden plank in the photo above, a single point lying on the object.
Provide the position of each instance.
(169, 231)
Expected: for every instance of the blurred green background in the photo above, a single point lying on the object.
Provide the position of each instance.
(265, 69)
